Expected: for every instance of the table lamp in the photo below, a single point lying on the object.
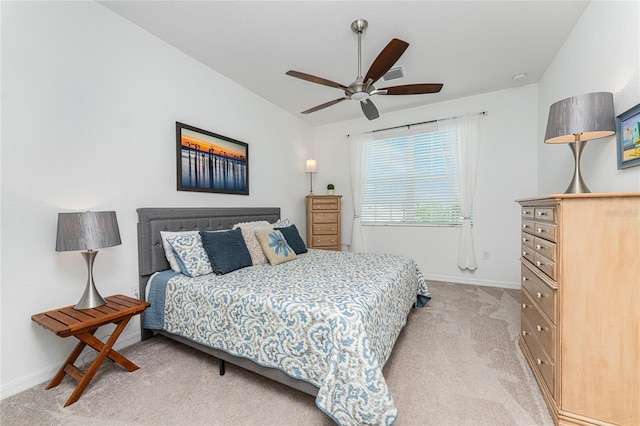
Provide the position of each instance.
(311, 170)
(577, 120)
(88, 231)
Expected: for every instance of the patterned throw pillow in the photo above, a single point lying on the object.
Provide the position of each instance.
(282, 223)
(226, 249)
(168, 251)
(293, 238)
(275, 246)
(249, 234)
(190, 254)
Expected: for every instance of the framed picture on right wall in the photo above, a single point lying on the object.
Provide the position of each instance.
(628, 138)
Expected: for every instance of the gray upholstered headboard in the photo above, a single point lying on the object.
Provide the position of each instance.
(151, 221)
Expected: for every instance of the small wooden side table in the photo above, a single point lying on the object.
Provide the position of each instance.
(82, 324)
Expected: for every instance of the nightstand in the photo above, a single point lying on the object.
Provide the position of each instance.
(323, 222)
(82, 324)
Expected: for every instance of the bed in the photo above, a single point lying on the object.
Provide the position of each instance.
(324, 323)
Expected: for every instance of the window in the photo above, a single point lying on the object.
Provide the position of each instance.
(406, 179)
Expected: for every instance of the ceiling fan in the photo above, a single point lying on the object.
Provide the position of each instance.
(362, 88)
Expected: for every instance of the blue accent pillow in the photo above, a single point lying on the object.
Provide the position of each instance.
(227, 250)
(293, 238)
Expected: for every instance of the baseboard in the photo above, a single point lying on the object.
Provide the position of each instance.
(46, 374)
(474, 281)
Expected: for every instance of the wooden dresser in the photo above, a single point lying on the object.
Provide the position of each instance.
(323, 222)
(580, 322)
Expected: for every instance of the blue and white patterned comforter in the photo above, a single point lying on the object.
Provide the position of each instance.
(329, 318)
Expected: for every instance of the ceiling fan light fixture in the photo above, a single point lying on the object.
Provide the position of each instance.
(360, 96)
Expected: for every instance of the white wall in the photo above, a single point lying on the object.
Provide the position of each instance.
(507, 171)
(602, 54)
(89, 105)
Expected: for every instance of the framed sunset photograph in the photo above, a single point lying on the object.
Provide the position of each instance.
(208, 162)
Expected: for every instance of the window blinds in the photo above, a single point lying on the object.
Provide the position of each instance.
(405, 179)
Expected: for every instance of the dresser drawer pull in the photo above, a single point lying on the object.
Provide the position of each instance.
(539, 361)
(538, 263)
(524, 278)
(524, 253)
(539, 328)
(539, 230)
(542, 214)
(539, 247)
(539, 295)
(526, 212)
(524, 226)
(524, 240)
(524, 333)
(524, 306)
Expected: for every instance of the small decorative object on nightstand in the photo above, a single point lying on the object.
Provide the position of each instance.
(82, 324)
(323, 222)
(330, 189)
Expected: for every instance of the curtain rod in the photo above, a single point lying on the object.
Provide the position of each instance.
(418, 124)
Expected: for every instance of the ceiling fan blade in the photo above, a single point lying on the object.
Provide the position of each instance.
(412, 89)
(385, 60)
(369, 109)
(324, 105)
(314, 79)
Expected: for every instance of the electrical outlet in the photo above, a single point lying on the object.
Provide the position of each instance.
(133, 291)
(486, 255)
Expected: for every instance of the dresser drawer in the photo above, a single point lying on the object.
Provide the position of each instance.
(528, 253)
(547, 214)
(527, 240)
(325, 241)
(542, 362)
(545, 248)
(528, 226)
(324, 218)
(325, 204)
(325, 229)
(546, 231)
(528, 212)
(541, 293)
(545, 265)
(544, 331)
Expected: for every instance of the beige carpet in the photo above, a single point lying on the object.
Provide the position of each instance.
(456, 363)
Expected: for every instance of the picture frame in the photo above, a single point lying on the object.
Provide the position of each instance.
(209, 162)
(628, 138)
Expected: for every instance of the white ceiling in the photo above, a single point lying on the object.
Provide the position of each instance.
(471, 46)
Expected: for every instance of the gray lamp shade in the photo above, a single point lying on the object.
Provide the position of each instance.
(87, 231)
(581, 118)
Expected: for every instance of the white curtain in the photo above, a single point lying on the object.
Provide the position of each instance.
(466, 133)
(355, 145)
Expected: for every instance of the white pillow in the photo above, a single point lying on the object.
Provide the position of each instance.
(168, 251)
(190, 254)
(249, 235)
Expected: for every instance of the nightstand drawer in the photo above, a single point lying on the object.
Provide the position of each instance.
(325, 241)
(325, 229)
(325, 204)
(324, 217)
